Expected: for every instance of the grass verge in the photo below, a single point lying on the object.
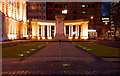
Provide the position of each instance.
(101, 50)
(21, 50)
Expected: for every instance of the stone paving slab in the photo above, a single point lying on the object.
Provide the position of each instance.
(39, 72)
(76, 67)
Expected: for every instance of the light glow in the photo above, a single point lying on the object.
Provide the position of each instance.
(76, 37)
(91, 17)
(83, 5)
(49, 37)
(73, 33)
(70, 38)
(91, 30)
(12, 36)
(64, 11)
(38, 38)
(106, 23)
(43, 23)
(43, 37)
(84, 37)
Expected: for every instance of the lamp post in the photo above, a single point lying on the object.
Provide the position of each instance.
(92, 21)
(105, 30)
(91, 34)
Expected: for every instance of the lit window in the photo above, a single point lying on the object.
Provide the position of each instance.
(65, 6)
(87, 6)
(83, 5)
(64, 11)
(83, 12)
(33, 7)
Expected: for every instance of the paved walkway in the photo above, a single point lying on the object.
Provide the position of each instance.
(60, 51)
(60, 58)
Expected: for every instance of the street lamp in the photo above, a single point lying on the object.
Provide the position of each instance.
(92, 21)
(92, 34)
(91, 17)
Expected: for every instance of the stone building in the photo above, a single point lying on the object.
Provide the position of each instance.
(13, 19)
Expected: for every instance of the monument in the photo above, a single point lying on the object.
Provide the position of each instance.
(60, 28)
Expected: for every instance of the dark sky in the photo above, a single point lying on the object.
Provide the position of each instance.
(106, 8)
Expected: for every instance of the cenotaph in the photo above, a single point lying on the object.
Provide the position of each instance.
(60, 28)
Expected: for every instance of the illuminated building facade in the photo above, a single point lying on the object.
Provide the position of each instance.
(77, 10)
(13, 17)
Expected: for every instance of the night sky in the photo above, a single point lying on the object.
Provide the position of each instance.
(106, 8)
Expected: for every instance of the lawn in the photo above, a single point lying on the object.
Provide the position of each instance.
(21, 50)
(82, 42)
(100, 50)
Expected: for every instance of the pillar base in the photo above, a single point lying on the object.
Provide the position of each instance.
(49, 37)
(70, 38)
(60, 37)
(43, 37)
(76, 37)
(84, 37)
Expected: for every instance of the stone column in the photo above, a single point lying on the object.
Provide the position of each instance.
(15, 29)
(81, 33)
(34, 30)
(69, 31)
(38, 32)
(49, 32)
(1, 3)
(5, 8)
(21, 11)
(54, 31)
(43, 31)
(77, 32)
(24, 12)
(84, 31)
(10, 11)
(25, 30)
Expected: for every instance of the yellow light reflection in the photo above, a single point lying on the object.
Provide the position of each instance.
(38, 38)
(12, 36)
(43, 37)
(49, 37)
(70, 38)
(44, 23)
(76, 37)
(84, 37)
